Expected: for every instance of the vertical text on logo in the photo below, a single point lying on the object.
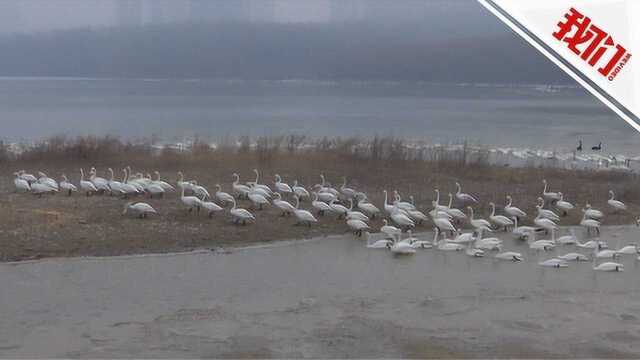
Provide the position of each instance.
(592, 43)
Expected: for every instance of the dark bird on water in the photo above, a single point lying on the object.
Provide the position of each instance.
(579, 148)
(597, 148)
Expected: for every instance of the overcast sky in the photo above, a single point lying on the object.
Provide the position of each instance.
(44, 15)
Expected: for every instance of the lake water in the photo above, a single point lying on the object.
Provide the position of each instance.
(329, 297)
(520, 116)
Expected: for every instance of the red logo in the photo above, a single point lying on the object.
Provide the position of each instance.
(594, 45)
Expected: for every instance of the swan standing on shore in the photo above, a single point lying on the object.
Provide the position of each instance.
(590, 224)
(283, 205)
(615, 204)
(303, 216)
(282, 187)
(591, 213)
(368, 207)
(477, 223)
(240, 215)
(139, 209)
(239, 189)
(548, 195)
(210, 207)
(66, 186)
(191, 202)
(300, 191)
(222, 196)
(87, 186)
(321, 206)
(462, 197)
(21, 184)
(456, 214)
(545, 213)
(45, 180)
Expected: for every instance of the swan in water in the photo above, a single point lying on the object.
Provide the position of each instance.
(21, 184)
(592, 244)
(87, 186)
(191, 202)
(590, 224)
(139, 209)
(210, 207)
(444, 245)
(499, 220)
(417, 243)
(615, 204)
(368, 207)
(509, 255)
(546, 224)
(544, 213)
(303, 216)
(378, 244)
(321, 206)
(389, 230)
(473, 251)
(239, 189)
(443, 224)
(437, 205)
(283, 205)
(282, 187)
(240, 215)
(223, 197)
(401, 247)
(545, 245)
(606, 266)
(401, 219)
(564, 205)
(513, 211)
(387, 207)
(592, 213)
(463, 238)
(462, 197)
(554, 263)
(65, 185)
(628, 250)
(477, 223)
(548, 195)
(438, 214)
(567, 239)
(521, 232)
(300, 191)
(487, 243)
(574, 256)
(457, 214)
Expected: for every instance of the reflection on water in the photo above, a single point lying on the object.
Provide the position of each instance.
(328, 297)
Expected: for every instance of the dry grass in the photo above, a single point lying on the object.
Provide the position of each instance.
(70, 226)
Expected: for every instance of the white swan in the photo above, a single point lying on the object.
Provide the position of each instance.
(521, 232)
(357, 226)
(590, 224)
(628, 250)
(567, 239)
(509, 255)
(462, 197)
(21, 184)
(513, 211)
(389, 230)
(544, 213)
(41, 189)
(348, 192)
(139, 209)
(257, 198)
(378, 244)
(592, 244)
(368, 207)
(300, 191)
(222, 196)
(65, 185)
(210, 207)
(487, 243)
(444, 245)
(615, 204)
(239, 189)
(198, 190)
(303, 216)
(606, 266)
(499, 220)
(191, 202)
(545, 245)
(564, 205)
(477, 223)
(324, 188)
(401, 204)
(401, 219)
(339, 209)
(114, 185)
(321, 206)
(416, 215)
(100, 183)
(282, 187)
(546, 224)
(574, 256)
(186, 185)
(355, 215)
(437, 205)
(552, 196)
(401, 247)
(165, 185)
(45, 180)
(283, 205)
(387, 207)
(87, 186)
(27, 177)
(127, 188)
(457, 214)
(240, 215)
(554, 263)
(591, 213)
(256, 184)
(417, 243)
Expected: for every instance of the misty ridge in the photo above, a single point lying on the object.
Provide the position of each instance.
(269, 51)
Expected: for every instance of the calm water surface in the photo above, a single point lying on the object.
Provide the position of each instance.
(329, 297)
(521, 116)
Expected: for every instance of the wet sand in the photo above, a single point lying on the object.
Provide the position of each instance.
(329, 297)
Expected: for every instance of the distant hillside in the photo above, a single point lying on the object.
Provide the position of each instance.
(276, 51)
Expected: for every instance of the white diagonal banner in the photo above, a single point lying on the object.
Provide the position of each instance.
(594, 41)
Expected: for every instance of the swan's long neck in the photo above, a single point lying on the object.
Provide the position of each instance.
(545, 187)
(81, 175)
(515, 222)
(386, 202)
(612, 195)
(237, 179)
(450, 200)
(297, 202)
(322, 178)
(437, 197)
(493, 210)
(509, 203)
(435, 236)
(110, 175)
(351, 204)
(257, 177)
(182, 193)
(234, 203)
(458, 189)
(344, 183)
(470, 214)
